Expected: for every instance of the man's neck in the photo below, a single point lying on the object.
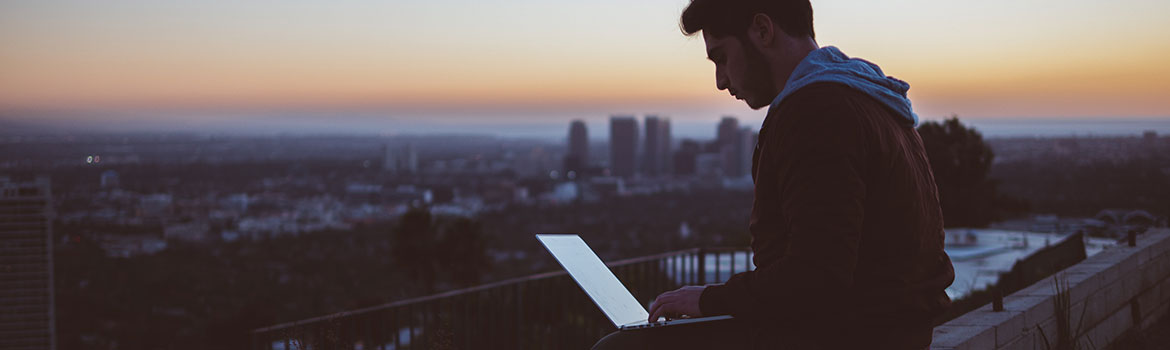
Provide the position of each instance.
(783, 67)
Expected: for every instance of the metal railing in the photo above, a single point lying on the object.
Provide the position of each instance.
(543, 311)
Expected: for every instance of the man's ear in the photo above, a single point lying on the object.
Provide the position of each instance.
(761, 31)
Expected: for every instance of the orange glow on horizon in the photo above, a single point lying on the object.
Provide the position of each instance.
(981, 62)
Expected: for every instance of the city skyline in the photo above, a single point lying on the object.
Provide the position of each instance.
(218, 65)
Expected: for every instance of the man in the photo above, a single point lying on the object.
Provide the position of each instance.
(846, 225)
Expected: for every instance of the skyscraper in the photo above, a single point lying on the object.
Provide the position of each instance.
(578, 157)
(748, 139)
(727, 131)
(667, 147)
(26, 266)
(410, 159)
(402, 161)
(684, 158)
(729, 140)
(623, 145)
(656, 151)
(389, 160)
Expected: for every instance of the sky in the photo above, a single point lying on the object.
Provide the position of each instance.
(397, 65)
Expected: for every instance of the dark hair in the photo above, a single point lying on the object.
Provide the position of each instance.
(732, 17)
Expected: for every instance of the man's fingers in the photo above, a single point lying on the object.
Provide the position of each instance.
(656, 307)
(657, 313)
(653, 309)
(657, 304)
(665, 309)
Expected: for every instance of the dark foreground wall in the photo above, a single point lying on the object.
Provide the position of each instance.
(1101, 298)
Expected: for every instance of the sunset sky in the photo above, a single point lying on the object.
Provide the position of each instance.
(513, 61)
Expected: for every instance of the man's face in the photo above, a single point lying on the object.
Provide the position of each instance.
(741, 69)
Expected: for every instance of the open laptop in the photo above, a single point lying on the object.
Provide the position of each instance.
(603, 287)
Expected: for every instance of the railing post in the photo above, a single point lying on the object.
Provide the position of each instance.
(395, 328)
(519, 300)
(718, 270)
(996, 299)
(702, 273)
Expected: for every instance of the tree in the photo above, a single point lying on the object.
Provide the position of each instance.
(961, 162)
(425, 246)
(413, 245)
(463, 251)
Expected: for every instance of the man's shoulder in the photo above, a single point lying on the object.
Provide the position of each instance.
(819, 107)
(822, 96)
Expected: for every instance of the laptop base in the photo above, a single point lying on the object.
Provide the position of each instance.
(674, 322)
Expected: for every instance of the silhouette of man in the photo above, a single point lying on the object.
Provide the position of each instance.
(846, 225)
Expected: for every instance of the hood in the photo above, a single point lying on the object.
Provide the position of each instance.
(828, 64)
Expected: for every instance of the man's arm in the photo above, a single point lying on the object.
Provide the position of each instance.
(819, 153)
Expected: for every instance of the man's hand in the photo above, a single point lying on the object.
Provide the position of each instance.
(678, 302)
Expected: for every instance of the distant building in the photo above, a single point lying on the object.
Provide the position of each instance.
(747, 148)
(1046, 223)
(1130, 217)
(606, 186)
(118, 246)
(684, 158)
(656, 150)
(727, 131)
(709, 165)
(389, 160)
(564, 192)
(109, 179)
(26, 271)
(577, 159)
(194, 231)
(402, 161)
(156, 205)
(410, 157)
(623, 145)
(730, 143)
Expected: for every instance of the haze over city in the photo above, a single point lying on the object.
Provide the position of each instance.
(525, 68)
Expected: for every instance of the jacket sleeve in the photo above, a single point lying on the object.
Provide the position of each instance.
(819, 156)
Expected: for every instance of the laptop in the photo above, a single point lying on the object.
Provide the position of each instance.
(603, 286)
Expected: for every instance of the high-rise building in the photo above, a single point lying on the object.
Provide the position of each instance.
(727, 131)
(667, 147)
(623, 145)
(404, 160)
(656, 148)
(389, 159)
(577, 159)
(729, 140)
(748, 139)
(684, 158)
(410, 155)
(26, 266)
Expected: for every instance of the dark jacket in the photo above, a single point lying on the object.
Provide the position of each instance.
(846, 229)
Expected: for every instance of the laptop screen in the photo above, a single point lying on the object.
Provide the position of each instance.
(595, 278)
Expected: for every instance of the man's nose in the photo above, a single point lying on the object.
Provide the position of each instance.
(721, 83)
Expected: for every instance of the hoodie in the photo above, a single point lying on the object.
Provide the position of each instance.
(846, 227)
(829, 64)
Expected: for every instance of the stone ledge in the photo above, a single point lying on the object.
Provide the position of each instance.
(1102, 287)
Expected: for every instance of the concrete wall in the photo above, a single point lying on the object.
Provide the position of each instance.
(1115, 290)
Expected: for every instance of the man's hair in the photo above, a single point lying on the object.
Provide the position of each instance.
(721, 18)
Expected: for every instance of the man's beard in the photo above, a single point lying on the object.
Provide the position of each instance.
(758, 80)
